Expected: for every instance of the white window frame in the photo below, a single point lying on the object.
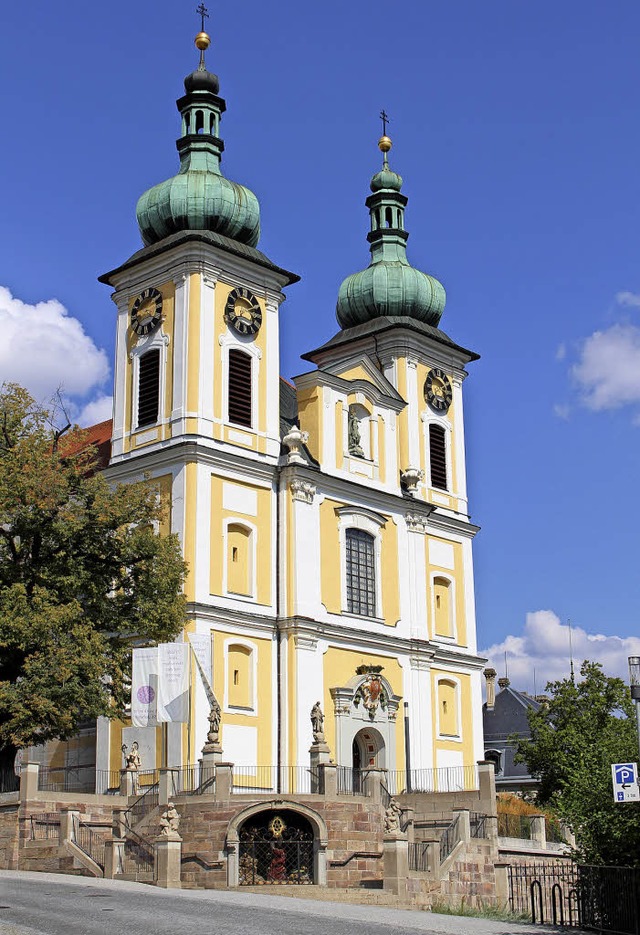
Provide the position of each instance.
(229, 342)
(429, 418)
(372, 523)
(253, 546)
(437, 637)
(452, 680)
(157, 340)
(252, 710)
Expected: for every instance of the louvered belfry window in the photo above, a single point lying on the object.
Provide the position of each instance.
(149, 387)
(438, 456)
(361, 574)
(239, 387)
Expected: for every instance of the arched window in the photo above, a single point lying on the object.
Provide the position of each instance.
(448, 725)
(443, 622)
(438, 456)
(148, 387)
(361, 574)
(239, 676)
(239, 383)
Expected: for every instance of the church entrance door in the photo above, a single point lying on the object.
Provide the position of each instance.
(276, 847)
(368, 751)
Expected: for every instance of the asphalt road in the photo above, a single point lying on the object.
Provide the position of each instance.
(52, 904)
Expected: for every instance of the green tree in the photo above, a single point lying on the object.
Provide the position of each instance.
(584, 727)
(83, 576)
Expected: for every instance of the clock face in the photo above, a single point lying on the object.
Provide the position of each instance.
(146, 312)
(242, 312)
(437, 390)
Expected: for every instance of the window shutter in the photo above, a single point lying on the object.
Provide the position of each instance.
(438, 456)
(239, 388)
(149, 388)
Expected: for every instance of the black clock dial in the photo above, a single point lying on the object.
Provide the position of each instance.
(242, 312)
(437, 390)
(146, 311)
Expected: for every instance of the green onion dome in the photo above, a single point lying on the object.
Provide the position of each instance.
(199, 197)
(390, 287)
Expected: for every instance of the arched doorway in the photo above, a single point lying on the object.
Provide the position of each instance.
(276, 847)
(368, 751)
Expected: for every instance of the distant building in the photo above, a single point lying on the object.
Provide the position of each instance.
(504, 716)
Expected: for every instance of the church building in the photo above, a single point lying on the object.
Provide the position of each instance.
(325, 522)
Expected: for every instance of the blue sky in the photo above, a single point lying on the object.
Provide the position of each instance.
(517, 130)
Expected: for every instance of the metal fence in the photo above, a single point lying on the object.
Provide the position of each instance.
(9, 781)
(547, 891)
(609, 899)
(553, 831)
(419, 856)
(45, 826)
(514, 826)
(449, 839)
(193, 780)
(138, 858)
(350, 781)
(85, 779)
(478, 825)
(90, 840)
(142, 806)
(442, 779)
(261, 779)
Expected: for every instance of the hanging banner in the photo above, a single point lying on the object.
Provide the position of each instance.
(173, 682)
(144, 687)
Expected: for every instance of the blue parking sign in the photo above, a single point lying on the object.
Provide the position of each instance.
(625, 782)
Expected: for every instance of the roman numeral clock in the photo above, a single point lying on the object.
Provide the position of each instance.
(146, 312)
(242, 312)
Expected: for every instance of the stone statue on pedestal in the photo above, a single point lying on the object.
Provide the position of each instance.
(392, 818)
(170, 821)
(317, 719)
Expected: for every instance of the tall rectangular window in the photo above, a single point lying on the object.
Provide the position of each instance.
(149, 388)
(361, 574)
(239, 387)
(438, 456)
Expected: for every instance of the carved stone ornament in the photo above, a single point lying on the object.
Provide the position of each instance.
(410, 478)
(294, 440)
(415, 522)
(302, 490)
(392, 818)
(133, 760)
(170, 821)
(371, 693)
(355, 447)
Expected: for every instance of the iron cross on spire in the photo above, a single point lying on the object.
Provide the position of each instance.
(385, 121)
(202, 10)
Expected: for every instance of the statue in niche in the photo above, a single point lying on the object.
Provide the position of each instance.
(170, 821)
(317, 719)
(355, 447)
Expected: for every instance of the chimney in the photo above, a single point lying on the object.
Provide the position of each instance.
(504, 683)
(490, 675)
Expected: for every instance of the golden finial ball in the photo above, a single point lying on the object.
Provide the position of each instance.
(384, 144)
(203, 41)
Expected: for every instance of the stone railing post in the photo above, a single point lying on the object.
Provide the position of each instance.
(29, 781)
(329, 780)
(538, 831)
(67, 817)
(487, 784)
(168, 856)
(433, 857)
(395, 863)
(464, 823)
(372, 784)
(491, 829)
(167, 785)
(129, 782)
(502, 884)
(224, 781)
(113, 858)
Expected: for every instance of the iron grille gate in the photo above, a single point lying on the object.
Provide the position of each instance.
(547, 891)
(276, 848)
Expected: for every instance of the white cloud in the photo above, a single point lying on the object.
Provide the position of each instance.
(98, 410)
(630, 299)
(43, 348)
(562, 411)
(608, 371)
(543, 646)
